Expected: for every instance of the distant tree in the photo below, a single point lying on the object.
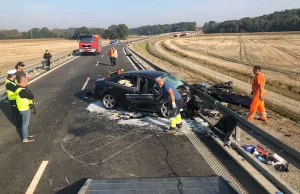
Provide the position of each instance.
(122, 31)
(288, 20)
(56, 32)
(166, 28)
(45, 33)
(82, 30)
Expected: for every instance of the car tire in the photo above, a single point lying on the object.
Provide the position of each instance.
(108, 101)
(164, 109)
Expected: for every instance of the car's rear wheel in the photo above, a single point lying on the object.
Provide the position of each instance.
(108, 101)
(164, 110)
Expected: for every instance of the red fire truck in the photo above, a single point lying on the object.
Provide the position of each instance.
(90, 44)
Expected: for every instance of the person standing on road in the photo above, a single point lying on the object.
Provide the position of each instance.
(24, 100)
(11, 87)
(258, 92)
(20, 73)
(108, 52)
(114, 55)
(176, 102)
(47, 57)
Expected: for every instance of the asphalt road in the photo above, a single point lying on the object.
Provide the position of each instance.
(81, 145)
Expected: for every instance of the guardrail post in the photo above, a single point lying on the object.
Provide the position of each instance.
(237, 133)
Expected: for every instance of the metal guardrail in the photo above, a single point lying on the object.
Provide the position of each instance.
(282, 149)
(37, 65)
(34, 67)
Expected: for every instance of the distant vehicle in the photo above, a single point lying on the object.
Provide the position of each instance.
(90, 44)
(140, 91)
(115, 42)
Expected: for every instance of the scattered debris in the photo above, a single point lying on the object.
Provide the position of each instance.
(210, 113)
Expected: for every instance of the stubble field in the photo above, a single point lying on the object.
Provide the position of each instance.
(277, 54)
(31, 50)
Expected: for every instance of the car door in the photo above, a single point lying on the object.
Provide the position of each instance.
(145, 99)
(118, 90)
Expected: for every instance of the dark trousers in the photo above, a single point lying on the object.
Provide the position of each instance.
(15, 112)
(113, 60)
(47, 62)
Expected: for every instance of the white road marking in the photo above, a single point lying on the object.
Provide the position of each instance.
(125, 149)
(130, 60)
(3, 97)
(67, 180)
(86, 82)
(97, 63)
(37, 178)
(102, 56)
(52, 70)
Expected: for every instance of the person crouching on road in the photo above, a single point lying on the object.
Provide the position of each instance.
(258, 92)
(24, 99)
(11, 87)
(20, 73)
(176, 101)
(47, 57)
(114, 55)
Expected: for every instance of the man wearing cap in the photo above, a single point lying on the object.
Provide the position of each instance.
(24, 101)
(11, 87)
(47, 57)
(20, 73)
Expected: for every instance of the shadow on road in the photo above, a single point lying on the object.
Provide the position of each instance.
(85, 96)
(105, 64)
(6, 109)
(73, 188)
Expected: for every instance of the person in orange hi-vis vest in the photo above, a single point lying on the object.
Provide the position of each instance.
(258, 92)
(109, 53)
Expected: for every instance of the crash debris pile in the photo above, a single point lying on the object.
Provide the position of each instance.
(223, 92)
(280, 164)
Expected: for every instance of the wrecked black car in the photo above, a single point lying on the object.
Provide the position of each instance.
(138, 90)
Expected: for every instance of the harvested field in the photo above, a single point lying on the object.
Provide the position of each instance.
(277, 54)
(280, 127)
(28, 50)
(32, 50)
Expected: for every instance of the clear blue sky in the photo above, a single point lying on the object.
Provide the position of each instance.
(25, 14)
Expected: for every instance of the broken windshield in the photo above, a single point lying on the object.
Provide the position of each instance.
(173, 80)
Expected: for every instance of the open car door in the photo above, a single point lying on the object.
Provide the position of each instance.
(120, 85)
(147, 94)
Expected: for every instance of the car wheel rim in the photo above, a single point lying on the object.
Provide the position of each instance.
(164, 110)
(109, 101)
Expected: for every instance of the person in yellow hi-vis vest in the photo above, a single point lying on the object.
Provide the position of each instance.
(176, 101)
(11, 87)
(24, 99)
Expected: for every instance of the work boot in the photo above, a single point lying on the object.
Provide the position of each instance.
(27, 140)
(172, 130)
(179, 125)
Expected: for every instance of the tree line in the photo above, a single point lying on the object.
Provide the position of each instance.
(165, 28)
(120, 31)
(288, 20)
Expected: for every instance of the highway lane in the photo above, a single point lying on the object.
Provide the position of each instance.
(81, 145)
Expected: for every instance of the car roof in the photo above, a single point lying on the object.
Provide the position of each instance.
(147, 73)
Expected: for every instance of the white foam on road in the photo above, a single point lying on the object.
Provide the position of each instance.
(136, 122)
(133, 118)
(96, 107)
